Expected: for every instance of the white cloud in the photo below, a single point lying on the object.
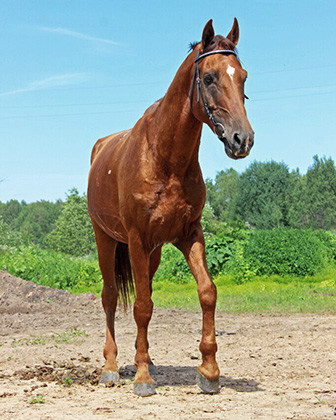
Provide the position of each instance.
(50, 82)
(79, 35)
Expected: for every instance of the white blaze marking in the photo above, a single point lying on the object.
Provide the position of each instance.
(109, 171)
(230, 71)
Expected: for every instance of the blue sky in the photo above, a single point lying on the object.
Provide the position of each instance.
(74, 71)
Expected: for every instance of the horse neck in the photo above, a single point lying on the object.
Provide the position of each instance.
(174, 131)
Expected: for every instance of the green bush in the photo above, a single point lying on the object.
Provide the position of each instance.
(218, 252)
(329, 240)
(51, 268)
(288, 251)
(173, 266)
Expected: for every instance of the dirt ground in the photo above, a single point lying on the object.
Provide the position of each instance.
(272, 366)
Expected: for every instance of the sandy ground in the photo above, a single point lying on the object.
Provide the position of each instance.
(272, 366)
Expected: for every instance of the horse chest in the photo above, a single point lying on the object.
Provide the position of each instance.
(171, 211)
(168, 211)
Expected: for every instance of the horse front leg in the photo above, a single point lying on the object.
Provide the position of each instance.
(143, 309)
(193, 249)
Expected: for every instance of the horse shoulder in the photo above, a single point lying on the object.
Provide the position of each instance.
(101, 143)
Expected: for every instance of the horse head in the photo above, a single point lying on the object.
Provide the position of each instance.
(219, 99)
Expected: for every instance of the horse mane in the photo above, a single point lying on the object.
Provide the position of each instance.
(193, 45)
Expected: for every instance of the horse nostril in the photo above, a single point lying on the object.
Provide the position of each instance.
(237, 139)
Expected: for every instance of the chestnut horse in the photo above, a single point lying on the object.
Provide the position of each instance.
(146, 189)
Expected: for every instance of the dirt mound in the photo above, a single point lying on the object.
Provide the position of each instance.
(26, 306)
(17, 295)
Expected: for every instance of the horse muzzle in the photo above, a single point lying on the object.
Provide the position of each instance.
(239, 145)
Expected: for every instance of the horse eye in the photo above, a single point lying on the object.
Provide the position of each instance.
(208, 79)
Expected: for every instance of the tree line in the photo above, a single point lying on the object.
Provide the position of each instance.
(266, 195)
(63, 226)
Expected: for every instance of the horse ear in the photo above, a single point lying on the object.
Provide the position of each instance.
(208, 34)
(233, 35)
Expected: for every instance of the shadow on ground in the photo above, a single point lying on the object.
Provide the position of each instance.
(68, 373)
(186, 375)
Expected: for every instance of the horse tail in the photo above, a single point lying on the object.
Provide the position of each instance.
(123, 275)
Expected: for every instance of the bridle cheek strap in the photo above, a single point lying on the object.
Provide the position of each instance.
(199, 93)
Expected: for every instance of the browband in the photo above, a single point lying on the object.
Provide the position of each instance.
(199, 57)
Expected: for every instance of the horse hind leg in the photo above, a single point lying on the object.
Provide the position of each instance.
(154, 262)
(106, 247)
(143, 309)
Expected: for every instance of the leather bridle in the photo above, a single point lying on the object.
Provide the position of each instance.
(197, 79)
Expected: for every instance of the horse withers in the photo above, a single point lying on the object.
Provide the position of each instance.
(146, 189)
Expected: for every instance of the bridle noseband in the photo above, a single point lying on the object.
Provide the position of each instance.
(197, 79)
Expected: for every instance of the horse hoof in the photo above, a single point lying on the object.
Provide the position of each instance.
(110, 376)
(207, 385)
(144, 389)
(152, 369)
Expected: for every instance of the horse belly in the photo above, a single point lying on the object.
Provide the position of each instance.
(112, 226)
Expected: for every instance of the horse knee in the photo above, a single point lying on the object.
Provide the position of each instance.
(143, 311)
(207, 295)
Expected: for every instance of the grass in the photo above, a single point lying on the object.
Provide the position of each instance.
(273, 294)
(31, 341)
(67, 381)
(262, 294)
(69, 337)
(39, 399)
(73, 336)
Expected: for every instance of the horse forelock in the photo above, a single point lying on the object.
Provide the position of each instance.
(218, 42)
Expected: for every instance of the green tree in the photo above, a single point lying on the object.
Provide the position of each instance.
(209, 221)
(221, 194)
(10, 211)
(38, 219)
(210, 191)
(9, 237)
(313, 201)
(321, 193)
(73, 233)
(263, 195)
(298, 215)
